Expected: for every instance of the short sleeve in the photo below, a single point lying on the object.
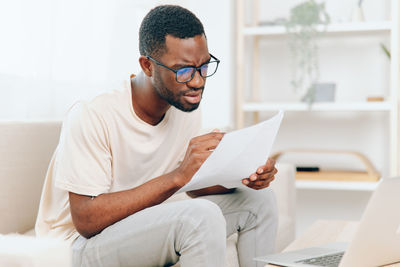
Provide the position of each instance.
(83, 160)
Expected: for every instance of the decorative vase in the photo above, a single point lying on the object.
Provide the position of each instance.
(358, 14)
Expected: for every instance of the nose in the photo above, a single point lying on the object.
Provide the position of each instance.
(197, 82)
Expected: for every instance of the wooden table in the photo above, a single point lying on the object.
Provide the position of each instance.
(322, 232)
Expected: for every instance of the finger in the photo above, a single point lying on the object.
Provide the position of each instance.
(262, 170)
(260, 184)
(267, 175)
(271, 162)
(208, 136)
(265, 168)
(269, 165)
(260, 180)
(206, 145)
(263, 175)
(253, 177)
(246, 181)
(257, 186)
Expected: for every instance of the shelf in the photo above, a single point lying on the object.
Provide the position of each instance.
(333, 185)
(326, 106)
(360, 27)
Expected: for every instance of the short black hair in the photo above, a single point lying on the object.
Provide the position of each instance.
(163, 20)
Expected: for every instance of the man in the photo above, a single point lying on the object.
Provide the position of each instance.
(124, 153)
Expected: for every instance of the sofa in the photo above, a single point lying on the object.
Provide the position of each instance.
(25, 152)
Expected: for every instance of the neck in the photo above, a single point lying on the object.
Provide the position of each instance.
(146, 103)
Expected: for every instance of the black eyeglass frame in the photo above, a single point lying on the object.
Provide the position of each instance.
(194, 67)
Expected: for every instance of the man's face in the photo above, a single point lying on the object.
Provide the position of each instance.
(181, 53)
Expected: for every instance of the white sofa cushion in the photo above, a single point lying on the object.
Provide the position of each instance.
(25, 152)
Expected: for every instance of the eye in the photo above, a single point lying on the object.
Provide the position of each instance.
(209, 69)
(204, 70)
(184, 74)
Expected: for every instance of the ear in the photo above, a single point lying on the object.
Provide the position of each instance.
(146, 65)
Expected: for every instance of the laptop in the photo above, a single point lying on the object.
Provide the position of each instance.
(376, 242)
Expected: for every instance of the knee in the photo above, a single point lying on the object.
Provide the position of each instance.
(202, 235)
(203, 221)
(207, 213)
(267, 209)
(266, 202)
(262, 203)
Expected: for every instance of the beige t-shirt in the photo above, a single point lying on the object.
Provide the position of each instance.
(105, 147)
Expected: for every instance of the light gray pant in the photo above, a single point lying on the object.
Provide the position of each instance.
(191, 231)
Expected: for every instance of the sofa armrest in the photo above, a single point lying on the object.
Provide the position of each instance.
(284, 187)
(25, 152)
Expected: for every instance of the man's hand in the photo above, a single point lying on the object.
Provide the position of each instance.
(199, 149)
(262, 177)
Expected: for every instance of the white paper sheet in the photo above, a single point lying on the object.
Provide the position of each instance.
(238, 155)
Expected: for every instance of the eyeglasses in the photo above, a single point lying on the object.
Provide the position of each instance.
(186, 74)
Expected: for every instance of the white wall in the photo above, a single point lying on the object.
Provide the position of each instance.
(54, 52)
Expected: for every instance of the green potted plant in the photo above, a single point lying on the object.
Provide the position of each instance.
(307, 20)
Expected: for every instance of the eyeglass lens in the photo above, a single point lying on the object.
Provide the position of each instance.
(186, 74)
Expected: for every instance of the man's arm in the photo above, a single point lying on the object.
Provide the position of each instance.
(213, 190)
(91, 216)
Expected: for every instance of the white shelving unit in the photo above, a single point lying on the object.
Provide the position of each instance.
(257, 32)
(349, 106)
(353, 28)
(340, 186)
(351, 122)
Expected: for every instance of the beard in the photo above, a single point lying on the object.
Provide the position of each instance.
(174, 99)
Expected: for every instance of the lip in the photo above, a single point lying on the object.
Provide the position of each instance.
(193, 98)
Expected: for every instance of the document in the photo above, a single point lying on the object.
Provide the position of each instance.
(238, 155)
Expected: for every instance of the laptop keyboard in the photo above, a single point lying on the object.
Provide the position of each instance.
(328, 260)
